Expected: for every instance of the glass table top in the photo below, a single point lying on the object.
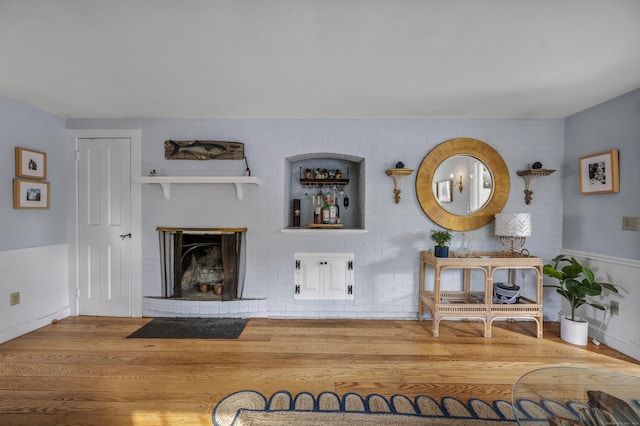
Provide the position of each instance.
(578, 396)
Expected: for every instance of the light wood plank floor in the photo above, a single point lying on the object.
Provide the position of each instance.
(83, 370)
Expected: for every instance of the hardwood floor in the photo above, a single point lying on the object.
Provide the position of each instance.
(84, 371)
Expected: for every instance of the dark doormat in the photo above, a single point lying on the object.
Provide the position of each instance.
(191, 328)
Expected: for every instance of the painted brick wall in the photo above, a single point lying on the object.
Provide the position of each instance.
(386, 258)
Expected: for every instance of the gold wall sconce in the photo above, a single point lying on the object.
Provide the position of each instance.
(529, 177)
(457, 183)
(398, 174)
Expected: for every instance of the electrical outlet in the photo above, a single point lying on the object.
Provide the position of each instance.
(15, 298)
(631, 223)
(614, 308)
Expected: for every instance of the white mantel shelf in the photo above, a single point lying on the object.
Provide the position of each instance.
(166, 181)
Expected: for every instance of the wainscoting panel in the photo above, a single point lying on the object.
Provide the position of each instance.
(40, 275)
(618, 331)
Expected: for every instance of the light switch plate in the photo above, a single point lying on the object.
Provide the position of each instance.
(631, 223)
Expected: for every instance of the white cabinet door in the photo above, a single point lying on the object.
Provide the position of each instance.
(324, 276)
(309, 279)
(338, 278)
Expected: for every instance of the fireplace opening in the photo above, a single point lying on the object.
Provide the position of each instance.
(202, 263)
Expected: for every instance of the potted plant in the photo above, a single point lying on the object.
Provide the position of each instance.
(441, 237)
(576, 283)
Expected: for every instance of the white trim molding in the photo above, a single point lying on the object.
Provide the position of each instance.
(622, 261)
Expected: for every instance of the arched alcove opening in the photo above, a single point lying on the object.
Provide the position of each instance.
(349, 188)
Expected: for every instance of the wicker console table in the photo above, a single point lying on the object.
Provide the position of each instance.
(467, 304)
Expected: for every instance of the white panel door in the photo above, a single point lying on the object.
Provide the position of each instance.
(104, 226)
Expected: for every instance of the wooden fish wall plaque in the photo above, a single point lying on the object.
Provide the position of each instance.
(203, 150)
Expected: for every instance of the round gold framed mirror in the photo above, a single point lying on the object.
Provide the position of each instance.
(441, 180)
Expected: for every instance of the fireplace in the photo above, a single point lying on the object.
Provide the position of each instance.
(206, 264)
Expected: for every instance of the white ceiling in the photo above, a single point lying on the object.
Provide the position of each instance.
(318, 58)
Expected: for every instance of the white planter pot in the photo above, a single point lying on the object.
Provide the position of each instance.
(575, 332)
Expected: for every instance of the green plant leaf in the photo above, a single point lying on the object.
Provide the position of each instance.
(591, 291)
(609, 287)
(574, 286)
(552, 272)
(572, 270)
(588, 274)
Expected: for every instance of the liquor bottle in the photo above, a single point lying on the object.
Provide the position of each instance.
(296, 212)
(332, 212)
(325, 211)
(317, 214)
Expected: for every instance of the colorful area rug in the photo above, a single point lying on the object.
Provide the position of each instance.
(191, 328)
(250, 408)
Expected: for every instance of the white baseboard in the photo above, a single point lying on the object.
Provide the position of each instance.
(30, 325)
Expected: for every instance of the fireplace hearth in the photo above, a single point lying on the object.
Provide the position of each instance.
(202, 264)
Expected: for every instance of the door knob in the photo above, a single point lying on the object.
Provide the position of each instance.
(123, 236)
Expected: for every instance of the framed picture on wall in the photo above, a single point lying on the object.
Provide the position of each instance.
(31, 164)
(599, 173)
(444, 191)
(30, 194)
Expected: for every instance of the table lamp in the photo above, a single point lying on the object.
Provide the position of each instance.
(513, 228)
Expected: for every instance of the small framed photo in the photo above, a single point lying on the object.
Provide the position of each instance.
(599, 173)
(31, 164)
(30, 194)
(444, 191)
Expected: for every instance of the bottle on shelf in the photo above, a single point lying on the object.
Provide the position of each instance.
(317, 213)
(332, 212)
(325, 211)
(296, 212)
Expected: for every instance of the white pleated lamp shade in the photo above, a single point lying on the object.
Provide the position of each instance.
(513, 224)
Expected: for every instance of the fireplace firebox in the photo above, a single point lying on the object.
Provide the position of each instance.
(202, 263)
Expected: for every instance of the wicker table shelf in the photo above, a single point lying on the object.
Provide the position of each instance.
(467, 304)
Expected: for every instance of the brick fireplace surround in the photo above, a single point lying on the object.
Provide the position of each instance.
(193, 259)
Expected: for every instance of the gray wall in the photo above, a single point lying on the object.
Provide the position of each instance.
(27, 127)
(387, 257)
(593, 223)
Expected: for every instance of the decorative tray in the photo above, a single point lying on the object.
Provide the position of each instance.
(324, 225)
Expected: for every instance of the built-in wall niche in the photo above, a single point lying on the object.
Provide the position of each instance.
(350, 185)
